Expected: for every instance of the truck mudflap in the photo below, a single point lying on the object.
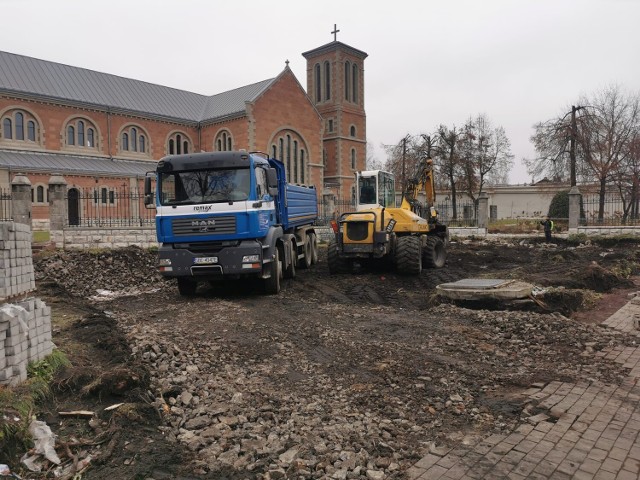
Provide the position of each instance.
(242, 259)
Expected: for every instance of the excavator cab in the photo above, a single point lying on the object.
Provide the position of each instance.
(375, 189)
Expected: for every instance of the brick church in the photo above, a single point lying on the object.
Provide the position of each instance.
(103, 132)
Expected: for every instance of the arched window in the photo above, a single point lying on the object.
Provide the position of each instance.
(81, 133)
(347, 80)
(178, 144)
(224, 142)
(353, 158)
(7, 129)
(71, 135)
(289, 147)
(318, 82)
(327, 80)
(354, 78)
(40, 194)
(31, 131)
(19, 125)
(352, 131)
(137, 140)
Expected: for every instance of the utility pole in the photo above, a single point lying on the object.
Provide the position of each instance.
(404, 153)
(572, 146)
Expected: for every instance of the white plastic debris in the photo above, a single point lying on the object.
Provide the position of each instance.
(44, 440)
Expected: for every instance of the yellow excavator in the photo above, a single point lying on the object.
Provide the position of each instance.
(408, 237)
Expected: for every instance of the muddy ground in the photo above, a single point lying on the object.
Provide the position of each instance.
(349, 376)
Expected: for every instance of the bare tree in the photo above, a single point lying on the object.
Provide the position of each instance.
(373, 162)
(485, 155)
(448, 162)
(605, 137)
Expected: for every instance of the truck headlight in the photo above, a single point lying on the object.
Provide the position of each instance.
(250, 258)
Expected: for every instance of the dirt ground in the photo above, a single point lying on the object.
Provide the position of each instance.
(348, 376)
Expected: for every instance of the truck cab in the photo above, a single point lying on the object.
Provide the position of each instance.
(223, 215)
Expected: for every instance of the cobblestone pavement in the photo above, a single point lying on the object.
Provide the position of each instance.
(583, 430)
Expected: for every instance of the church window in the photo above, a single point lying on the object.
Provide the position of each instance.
(354, 79)
(289, 147)
(330, 125)
(317, 82)
(31, 131)
(352, 131)
(80, 133)
(178, 144)
(347, 81)
(40, 194)
(224, 141)
(353, 158)
(327, 80)
(19, 125)
(7, 129)
(136, 142)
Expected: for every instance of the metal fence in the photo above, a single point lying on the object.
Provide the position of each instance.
(6, 205)
(465, 215)
(614, 212)
(107, 207)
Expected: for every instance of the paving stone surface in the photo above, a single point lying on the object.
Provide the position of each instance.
(585, 430)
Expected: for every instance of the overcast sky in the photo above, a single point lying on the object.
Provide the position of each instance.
(430, 62)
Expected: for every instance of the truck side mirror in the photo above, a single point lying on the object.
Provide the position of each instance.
(272, 181)
(148, 194)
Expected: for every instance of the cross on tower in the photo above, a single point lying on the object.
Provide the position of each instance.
(335, 32)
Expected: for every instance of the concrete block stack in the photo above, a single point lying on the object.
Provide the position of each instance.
(25, 337)
(25, 325)
(16, 263)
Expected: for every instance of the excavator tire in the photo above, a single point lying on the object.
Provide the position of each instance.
(408, 255)
(435, 253)
(335, 262)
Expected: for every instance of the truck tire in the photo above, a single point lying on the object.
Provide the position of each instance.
(272, 284)
(314, 248)
(336, 263)
(308, 253)
(187, 287)
(435, 253)
(290, 270)
(408, 255)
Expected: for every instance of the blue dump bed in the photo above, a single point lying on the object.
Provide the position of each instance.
(300, 206)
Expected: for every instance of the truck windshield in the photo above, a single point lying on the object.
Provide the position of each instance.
(204, 186)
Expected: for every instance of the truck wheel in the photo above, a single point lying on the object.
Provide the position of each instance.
(435, 252)
(314, 248)
(187, 287)
(308, 252)
(336, 263)
(408, 255)
(272, 284)
(290, 270)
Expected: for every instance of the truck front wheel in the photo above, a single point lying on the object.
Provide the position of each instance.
(187, 287)
(272, 284)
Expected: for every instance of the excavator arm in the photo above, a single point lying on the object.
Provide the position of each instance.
(421, 183)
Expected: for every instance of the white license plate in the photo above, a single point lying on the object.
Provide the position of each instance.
(205, 260)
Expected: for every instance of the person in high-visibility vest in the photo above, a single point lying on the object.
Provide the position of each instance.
(547, 223)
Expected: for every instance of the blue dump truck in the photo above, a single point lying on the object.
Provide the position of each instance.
(230, 215)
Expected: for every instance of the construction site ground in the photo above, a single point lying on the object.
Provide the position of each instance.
(365, 375)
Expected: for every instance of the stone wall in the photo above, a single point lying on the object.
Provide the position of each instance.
(88, 238)
(606, 231)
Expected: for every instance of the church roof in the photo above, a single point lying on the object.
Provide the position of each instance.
(58, 82)
(23, 161)
(335, 45)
